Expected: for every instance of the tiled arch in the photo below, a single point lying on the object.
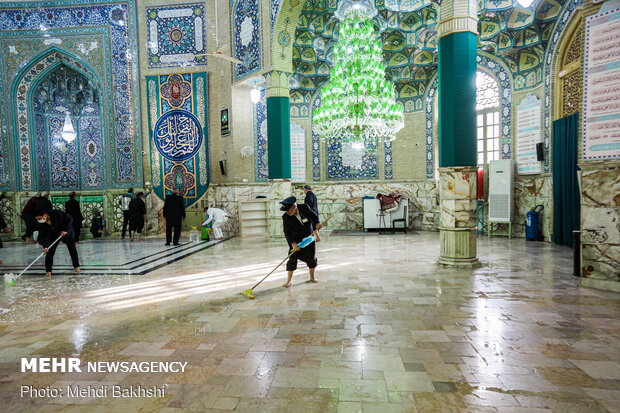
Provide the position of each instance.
(20, 99)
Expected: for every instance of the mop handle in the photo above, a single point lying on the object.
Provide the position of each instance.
(37, 259)
(289, 256)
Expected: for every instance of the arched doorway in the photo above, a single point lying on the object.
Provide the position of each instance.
(59, 164)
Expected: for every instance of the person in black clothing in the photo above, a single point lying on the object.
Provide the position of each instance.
(43, 202)
(174, 212)
(56, 224)
(313, 203)
(72, 207)
(27, 216)
(125, 201)
(137, 216)
(97, 225)
(299, 222)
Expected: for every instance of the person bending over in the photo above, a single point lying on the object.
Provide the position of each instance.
(219, 218)
(56, 224)
(299, 222)
(97, 225)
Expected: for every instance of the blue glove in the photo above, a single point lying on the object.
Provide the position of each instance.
(306, 241)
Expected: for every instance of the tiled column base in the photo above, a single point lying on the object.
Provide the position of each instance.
(278, 190)
(458, 247)
(457, 196)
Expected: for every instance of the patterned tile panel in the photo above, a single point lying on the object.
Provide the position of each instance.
(261, 171)
(118, 19)
(247, 37)
(177, 35)
(177, 106)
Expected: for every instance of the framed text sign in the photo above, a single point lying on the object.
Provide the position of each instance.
(601, 120)
(529, 133)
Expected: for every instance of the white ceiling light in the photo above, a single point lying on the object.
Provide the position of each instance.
(68, 131)
(255, 95)
(525, 3)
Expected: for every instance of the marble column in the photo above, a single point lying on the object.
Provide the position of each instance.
(278, 146)
(600, 224)
(457, 50)
(457, 199)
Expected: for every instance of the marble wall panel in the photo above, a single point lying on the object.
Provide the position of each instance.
(594, 194)
(601, 262)
(530, 191)
(600, 224)
(340, 205)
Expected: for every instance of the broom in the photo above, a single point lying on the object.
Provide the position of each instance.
(11, 279)
(304, 243)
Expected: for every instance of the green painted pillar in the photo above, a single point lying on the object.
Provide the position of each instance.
(278, 125)
(457, 132)
(457, 99)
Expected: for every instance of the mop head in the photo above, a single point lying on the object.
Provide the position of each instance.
(248, 293)
(10, 279)
(306, 241)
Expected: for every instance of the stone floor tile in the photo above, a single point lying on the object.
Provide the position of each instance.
(363, 390)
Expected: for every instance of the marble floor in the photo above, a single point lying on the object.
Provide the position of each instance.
(385, 330)
(101, 256)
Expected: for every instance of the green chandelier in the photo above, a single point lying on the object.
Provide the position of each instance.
(358, 104)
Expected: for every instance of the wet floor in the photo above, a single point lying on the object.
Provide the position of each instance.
(386, 329)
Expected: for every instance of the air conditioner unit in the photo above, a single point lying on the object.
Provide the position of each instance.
(500, 190)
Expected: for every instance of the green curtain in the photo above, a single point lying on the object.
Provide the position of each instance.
(565, 186)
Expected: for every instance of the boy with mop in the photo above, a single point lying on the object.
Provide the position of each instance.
(299, 222)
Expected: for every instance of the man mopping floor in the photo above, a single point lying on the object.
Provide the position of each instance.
(299, 223)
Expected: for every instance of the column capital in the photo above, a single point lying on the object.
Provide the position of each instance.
(277, 84)
(457, 16)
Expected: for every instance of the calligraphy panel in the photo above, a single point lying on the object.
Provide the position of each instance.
(178, 134)
(601, 121)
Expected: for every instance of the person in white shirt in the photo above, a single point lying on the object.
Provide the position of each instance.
(219, 218)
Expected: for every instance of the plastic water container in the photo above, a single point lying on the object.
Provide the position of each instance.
(194, 236)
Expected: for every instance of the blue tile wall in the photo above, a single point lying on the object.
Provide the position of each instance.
(261, 171)
(117, 56)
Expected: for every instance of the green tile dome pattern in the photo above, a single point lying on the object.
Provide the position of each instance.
(408, 28)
